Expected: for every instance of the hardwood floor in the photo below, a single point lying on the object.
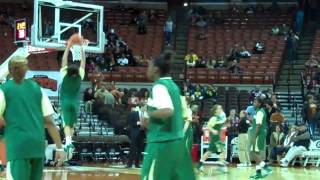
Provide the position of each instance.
(99, 173)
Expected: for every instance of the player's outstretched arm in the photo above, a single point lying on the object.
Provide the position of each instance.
(83, 59)
(64, 62)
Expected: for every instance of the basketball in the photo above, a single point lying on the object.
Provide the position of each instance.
(76, 39)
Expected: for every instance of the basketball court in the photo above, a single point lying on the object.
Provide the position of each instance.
(100, 173)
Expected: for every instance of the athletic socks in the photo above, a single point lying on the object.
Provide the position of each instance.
(68, 140)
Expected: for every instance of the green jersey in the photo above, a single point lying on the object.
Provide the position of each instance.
(70, 88)
(260, 118)
(161, 130)
(24, 130)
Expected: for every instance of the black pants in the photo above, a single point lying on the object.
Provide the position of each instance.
(135, 147)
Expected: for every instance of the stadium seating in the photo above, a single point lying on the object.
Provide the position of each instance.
(243, 30)
(316, 44)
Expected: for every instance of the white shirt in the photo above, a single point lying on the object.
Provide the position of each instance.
(47, 109)
(160, 97)
(123, 61)
(259, 117)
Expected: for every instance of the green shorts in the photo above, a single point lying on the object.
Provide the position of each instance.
(260, 143)
(25, 169)
(167, 161)
(215, 144)
(69, 113)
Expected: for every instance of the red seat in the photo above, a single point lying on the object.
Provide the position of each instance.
(224, 79)
(258, 79)
(192, 78)
(235, 79)
(246, 79)
(128, 77)
(141, 77)
(116, 76)
(202, 78)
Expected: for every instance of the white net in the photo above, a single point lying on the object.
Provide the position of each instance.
(76, 52)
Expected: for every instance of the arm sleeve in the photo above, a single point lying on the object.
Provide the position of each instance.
(81, 72)
(161, 98)
(63, 71)
(47, 109)
(2, 103)
(259, 117)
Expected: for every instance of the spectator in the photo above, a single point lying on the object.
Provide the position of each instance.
(112, 38)
(299, 20)
(221, 63)
(312, 65)
(191, 59)
(276, 140)
(259, 48)
(105, 96)
(251, 111)
(234, 53)
(309, 112)
(244, 53)
(143, 60)
(90, 67)
(234, 67)
(292, 45)
(211, 92)
(276, 103)
(133, 101)
(269, 111)
(168, 30)
(88, 99)
(201, 22)
(123, 61)
(275, 30)
(255, 93)
(142, 23)
(202, 62)
(232, 129)
(198, 93)
(269, 93)
(116, 92)
(144, 99)
(301, 144)
(211, 63)
(284, 29)
(243, 141)
(201, 36)
(287, 144)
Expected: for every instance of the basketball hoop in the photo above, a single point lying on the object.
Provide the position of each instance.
(38, 50)
(77, 44)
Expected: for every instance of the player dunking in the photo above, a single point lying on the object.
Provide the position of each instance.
(72, 75)
(215, 125)
(166, 154)
(26, 111)
(259, 134)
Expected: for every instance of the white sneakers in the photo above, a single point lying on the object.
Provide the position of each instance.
(244, 165)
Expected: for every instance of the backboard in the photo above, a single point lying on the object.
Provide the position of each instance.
(54, 21)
